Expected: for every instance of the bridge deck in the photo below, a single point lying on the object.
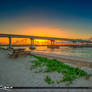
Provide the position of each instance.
(46, 38)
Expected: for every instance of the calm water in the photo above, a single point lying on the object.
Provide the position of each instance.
(81, 52)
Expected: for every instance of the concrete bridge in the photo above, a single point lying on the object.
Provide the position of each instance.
(52, 39)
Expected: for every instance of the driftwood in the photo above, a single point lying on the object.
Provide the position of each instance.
(18, 52)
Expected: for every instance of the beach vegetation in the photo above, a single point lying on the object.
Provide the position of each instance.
(48, 80)
(52, 65)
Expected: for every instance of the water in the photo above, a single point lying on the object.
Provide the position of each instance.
(81, 52)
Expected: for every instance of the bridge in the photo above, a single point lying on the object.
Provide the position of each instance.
(52, 39)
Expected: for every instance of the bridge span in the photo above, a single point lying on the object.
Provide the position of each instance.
(52, 39)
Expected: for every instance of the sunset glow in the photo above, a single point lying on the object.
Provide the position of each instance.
(46, 19)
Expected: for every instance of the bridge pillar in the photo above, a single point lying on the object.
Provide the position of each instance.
(10, 44)
(32, 44)
(52, 43)
(75, 45)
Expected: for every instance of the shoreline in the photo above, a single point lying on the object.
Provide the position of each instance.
(72, 60)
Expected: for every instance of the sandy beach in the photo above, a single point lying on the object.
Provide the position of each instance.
(73, 60)
(16, 72)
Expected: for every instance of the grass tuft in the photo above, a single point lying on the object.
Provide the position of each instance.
(48, 80)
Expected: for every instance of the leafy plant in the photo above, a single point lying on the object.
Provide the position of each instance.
(48, 80)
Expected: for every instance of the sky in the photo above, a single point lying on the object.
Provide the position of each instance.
(50, 18)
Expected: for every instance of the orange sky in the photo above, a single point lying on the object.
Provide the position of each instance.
(45, 31)
(42, 31)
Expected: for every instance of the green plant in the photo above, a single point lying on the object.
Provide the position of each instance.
(52, 65)
(48, 80)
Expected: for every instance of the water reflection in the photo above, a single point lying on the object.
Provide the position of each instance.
(81, 52)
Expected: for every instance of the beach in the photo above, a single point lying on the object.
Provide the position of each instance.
(73, 60)
(16, 72)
